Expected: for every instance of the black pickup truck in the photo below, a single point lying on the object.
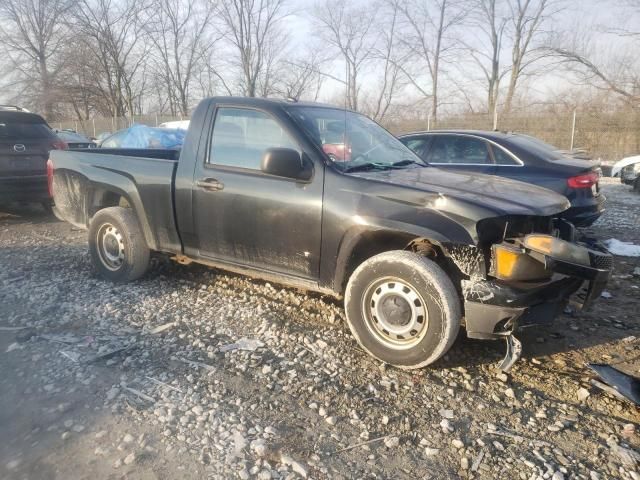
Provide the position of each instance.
(415, 251)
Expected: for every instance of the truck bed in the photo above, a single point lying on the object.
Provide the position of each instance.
(142, 177)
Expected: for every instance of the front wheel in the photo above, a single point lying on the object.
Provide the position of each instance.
(118, 249)
(402, 309)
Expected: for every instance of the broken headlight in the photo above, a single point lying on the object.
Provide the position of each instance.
(510, 262)
(558, 249)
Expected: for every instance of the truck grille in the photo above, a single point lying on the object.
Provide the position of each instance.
(601, 261)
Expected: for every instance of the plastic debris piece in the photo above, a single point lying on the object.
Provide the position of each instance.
(248, 344)
(73, 356)
(161, 328)
(623, 383)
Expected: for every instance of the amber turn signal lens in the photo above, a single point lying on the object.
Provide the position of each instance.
(505, 262)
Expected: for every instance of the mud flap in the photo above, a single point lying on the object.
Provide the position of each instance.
(513, 354)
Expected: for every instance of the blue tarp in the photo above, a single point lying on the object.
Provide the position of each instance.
(141, 136)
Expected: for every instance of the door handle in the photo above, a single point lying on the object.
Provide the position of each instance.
(210, 184)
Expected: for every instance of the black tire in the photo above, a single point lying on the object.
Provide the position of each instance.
(397, 280)
(118, 249)
(636, 185)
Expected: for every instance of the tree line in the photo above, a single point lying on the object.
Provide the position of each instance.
(87, 58)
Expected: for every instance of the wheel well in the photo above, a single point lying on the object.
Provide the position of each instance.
(373, 243)
(103, 198)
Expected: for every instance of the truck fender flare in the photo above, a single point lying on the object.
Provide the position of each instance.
(91, 196)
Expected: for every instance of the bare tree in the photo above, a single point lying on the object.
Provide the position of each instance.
(78, 85)
(180, 33)
(110, 29)
(348, 29)
(429, 40)
(615, 67)
(32, 34)
(254, 30)
(302, 77)
(388, 60)
(491, 24)
(527, 19)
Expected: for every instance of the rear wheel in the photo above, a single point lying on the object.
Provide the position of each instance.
(403, 309)
(117, 245)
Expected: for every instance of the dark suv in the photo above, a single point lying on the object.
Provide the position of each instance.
(25, 142)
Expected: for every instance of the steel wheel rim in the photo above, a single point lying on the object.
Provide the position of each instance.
(395, 313)
(110, 245)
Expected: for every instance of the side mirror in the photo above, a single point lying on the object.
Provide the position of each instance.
(287, 163)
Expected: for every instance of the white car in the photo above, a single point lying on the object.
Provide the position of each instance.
(629, 170)
(179, 124)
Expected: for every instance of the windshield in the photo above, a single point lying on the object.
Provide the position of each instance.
(352, 141)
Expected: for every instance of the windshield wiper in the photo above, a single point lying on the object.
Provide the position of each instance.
(382, 166)
(404, 163)
(367, 166)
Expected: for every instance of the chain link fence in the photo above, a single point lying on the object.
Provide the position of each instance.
(609, 136)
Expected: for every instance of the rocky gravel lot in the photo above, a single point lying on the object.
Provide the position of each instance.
(195, 373)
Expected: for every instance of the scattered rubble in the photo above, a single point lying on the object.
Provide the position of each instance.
(236, 378)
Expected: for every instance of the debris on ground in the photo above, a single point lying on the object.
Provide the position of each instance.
(627, 386)
(247, 344)
(624, 249)
(305, 399)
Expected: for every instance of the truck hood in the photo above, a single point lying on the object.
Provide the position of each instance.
(500, 195)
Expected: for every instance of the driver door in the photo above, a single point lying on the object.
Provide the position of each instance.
(246, 217)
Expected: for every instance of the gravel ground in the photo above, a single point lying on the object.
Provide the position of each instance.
(192, 372)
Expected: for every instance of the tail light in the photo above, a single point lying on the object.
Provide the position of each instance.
(50, 170)
(586, 180)
(59, 145)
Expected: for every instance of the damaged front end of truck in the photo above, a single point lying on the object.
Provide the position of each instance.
(523, 272)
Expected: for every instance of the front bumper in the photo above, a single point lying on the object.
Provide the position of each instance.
(495, 309)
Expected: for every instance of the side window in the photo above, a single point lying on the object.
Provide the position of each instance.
(418, 145)
(503, 158)
(241, 136)
(455, 149)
